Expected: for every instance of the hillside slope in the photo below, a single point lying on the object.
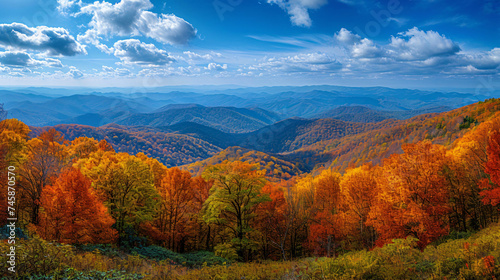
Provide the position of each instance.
(169, 148)
(365, 114)
(226, 119)
(275, 167)
(374, 145)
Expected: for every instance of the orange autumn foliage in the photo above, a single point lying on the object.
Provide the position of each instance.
(176, 194)
(329, 221)
(491, 190)
(413, 195)
(72, 213)
(358, 187)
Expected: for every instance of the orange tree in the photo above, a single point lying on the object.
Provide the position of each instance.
(412, 195)
(72, 213)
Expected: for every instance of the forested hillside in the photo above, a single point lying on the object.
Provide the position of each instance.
(407, 191)
(275, 167)
(226, 119)
(376, 144)
(171, 149)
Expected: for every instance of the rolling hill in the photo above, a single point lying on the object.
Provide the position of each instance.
(374, 145)
(297, 144)
(226, 119)
(365, 114)
(275, 167)
(44, 106)
(171, 149)
(69, 109)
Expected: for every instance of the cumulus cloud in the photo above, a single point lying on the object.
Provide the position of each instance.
(346, 37)
(414, 52)
(63, 6)
(133, 51)
(216, 67)
(411, 45)
(75, 73)
(484, 61)
(50, 40)
(366, 49)
(422, 45)
(195, 56)
(132, 18)
(110, 71)
(22, 59)
(299, 9)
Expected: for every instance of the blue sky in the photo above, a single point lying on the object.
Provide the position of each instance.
(426, 43)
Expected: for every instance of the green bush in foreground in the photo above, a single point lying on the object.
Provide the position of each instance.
(474, 257)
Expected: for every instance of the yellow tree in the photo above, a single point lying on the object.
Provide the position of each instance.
(13, 137)
(125, 184)
(359, 188)
(464, 172)
(327, 228)
(233, 199)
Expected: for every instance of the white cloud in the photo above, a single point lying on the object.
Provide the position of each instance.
(195, 56)
(216, 67)
(304, 62)
(414, 52)
(299, 9)
(422, 45)
(366, 49)
(484, 61)
(75, 73)
(114, 72)
(49, 40)
(63, 6)
(132, 18)
(22, 59)
(346, 37)
(133, 51)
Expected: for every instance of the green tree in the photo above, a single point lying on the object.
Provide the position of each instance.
(125, 183)
(233, 199)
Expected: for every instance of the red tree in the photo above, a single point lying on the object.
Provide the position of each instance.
(72, 213)
(491, 190)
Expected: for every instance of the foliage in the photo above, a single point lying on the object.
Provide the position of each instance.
(172, 217)
(72, 213)
(276, 168)
(5, 232)
(125, 184)
(413, 195)
(467, 122)
(491, 188)
(169, 148)
(160, 254)
(233, 200)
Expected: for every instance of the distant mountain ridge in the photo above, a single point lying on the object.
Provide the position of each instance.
(304, 143)
(365, 114)
(113, 105)
(226, 119)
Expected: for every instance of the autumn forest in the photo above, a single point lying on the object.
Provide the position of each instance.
(394, 199)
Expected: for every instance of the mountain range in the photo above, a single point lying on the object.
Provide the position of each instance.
(237, 110)
(292, 130)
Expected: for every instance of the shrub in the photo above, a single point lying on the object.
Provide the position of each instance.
(204, 258)
(159, 253)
